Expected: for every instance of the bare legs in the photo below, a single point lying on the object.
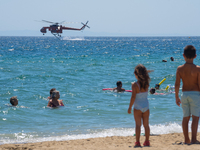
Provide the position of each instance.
(146, 124)
(194, 127)
(138, 115)
(185, 129)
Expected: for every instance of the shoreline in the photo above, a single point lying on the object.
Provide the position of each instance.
(164, 141)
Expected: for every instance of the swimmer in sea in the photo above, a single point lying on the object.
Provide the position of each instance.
(14, 101)
(152, 90)
(119, 87)
(157, 86)
(55, 102)
(172, 58)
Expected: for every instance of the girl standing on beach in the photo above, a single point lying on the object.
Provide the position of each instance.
(141, 104)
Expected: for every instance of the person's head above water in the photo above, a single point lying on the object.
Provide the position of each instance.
(119, 83)
(152, 90)
(142, 76)
(55, 94)
(14, 100)
(189, 52)
(51, 91)
(172, 58)
(157, 86)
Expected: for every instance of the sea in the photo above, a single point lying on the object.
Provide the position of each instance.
(79, 68)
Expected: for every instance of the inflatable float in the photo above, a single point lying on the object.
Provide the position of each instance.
(112, 89)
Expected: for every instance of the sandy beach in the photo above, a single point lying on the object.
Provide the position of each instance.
(158, 142)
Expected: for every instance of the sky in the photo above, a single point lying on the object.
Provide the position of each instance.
(106, 17)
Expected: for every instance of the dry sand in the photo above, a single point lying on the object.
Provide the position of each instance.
(159, 142)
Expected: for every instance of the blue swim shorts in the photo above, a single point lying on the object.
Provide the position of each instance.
(191, 103)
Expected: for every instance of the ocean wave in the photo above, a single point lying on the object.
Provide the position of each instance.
(73, 38)
(36, 137)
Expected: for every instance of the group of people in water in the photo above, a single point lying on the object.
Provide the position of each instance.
(151, 91)
(189, 73)
(53, 99)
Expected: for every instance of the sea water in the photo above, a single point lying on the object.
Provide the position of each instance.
(80, 67)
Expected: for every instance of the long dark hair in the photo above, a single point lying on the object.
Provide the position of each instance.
(143, 76)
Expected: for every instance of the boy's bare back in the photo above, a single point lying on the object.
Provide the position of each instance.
(190, 75)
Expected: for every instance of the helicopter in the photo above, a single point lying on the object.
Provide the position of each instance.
(56, 29)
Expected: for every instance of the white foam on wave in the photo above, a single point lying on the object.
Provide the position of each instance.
(155, 130)
(73, 38)
(12, 49)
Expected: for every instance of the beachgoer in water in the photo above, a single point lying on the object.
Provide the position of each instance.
(14, 101)
(141, 104)
(152, 90)
(157, 86)
(55, 102)
(119, 87)
(172, 58)
(51, 91)
(189, 73)
(164, 60)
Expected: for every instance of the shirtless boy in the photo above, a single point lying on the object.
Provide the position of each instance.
(119, 87)
(189, 73)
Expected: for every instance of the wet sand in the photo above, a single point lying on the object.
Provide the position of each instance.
(158, 142)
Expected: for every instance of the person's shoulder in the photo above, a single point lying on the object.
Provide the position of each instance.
(135, 87)
(49, 103)
(134, 84)
(122, 89)
(197, 68)
(61, 102)
(181, 66)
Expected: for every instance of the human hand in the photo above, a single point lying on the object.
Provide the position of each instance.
(129, 110)
(178, 101)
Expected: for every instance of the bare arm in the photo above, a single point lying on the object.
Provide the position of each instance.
(61, 103)
(133, 96)
(198, 78)
(123, 89)
(49, 104)
(149, 71)
(114, 88)
(177, 86)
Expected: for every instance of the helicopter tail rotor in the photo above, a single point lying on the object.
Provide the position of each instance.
(84, 25)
